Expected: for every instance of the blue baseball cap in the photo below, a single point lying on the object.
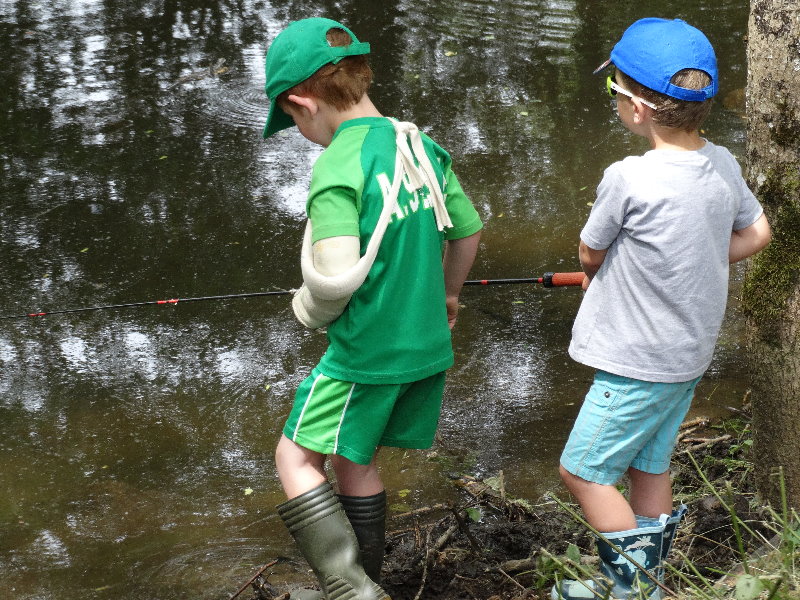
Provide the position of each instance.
(652, 50)
(296, 54)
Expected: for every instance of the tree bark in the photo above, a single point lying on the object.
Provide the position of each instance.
(771, 294)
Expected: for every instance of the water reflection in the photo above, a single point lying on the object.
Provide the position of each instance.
(132, 169)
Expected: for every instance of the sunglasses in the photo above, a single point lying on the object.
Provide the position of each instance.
(613, 89)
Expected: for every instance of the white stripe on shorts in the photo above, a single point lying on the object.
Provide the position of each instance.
(341, 419)
(305, 405)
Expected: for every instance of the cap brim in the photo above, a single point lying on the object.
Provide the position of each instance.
(601, 67)
(277, 120)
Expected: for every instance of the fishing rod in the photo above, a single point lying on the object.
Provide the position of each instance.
(547, 280)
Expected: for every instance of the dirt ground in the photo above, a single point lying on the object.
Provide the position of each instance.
(493, 547)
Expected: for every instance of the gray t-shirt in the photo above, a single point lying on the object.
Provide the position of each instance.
(654, 309)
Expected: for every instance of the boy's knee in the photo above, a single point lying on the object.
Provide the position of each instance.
(283, 453)
(346, 467)
(290, 454)
(568, 478)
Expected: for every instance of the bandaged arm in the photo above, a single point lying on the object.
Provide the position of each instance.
(332, 256)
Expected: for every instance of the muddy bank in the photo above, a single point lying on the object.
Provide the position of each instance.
(490, 546)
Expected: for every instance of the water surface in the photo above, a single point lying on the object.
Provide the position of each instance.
(136, 445)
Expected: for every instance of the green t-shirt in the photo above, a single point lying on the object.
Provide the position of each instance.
(394, 329)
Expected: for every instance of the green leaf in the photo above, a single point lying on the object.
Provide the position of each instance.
(574, 554)
(748, 587)
(400, 508)
(84, 250)
(474, 513)
(403, 493)
(493, 483)
(522, 503)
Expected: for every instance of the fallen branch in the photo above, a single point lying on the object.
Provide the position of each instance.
(694, 422)
(421, 511)
(253, 578)
(704, 443)
(465, 530)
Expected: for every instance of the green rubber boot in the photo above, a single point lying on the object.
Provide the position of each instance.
(367, 515)
(326, 539)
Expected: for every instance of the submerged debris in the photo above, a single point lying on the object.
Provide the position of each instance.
(494, 547)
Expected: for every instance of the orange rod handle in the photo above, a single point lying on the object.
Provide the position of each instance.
(562, 279)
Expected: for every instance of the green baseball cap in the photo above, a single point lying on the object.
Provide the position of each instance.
(295, 55)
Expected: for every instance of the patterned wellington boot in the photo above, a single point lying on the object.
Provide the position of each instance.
(670, 528)
(367, 515)
(621, 580)
(325, 537)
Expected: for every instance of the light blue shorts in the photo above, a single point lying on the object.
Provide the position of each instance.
(626, 423)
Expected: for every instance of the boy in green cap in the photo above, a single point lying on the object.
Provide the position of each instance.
(382, 205)
(656, 251)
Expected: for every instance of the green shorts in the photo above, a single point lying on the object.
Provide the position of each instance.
(331, 416)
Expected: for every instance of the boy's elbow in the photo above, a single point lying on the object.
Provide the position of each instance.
(763, 234)
(766, 237)
(590, 258)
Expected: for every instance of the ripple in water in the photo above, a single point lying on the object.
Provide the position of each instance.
(238, 104)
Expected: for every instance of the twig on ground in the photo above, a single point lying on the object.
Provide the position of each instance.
(431, 551)
(421, 511)
(694, 423)
(253, 578)
(510, 578)
(704, 443)
(465, 530)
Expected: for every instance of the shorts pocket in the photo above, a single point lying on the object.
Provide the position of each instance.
(605, 395)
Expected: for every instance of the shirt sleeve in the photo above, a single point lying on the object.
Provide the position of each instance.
(333, 212)
(334, 195)
(465, 218)
(607, 216)
(749, 209)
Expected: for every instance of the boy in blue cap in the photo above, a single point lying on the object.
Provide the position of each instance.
(383, 203)
(656, 250)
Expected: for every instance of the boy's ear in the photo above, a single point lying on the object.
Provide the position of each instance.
(639, 110)
(307, 102)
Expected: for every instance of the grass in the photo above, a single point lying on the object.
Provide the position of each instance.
(754, 549)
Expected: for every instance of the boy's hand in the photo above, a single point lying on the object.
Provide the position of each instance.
(451, 302)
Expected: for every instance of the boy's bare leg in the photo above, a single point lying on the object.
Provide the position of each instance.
(356, 480)
(299, 469)
(650, 495)
(603, 506)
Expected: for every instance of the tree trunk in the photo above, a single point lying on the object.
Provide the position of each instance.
(771, 294)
